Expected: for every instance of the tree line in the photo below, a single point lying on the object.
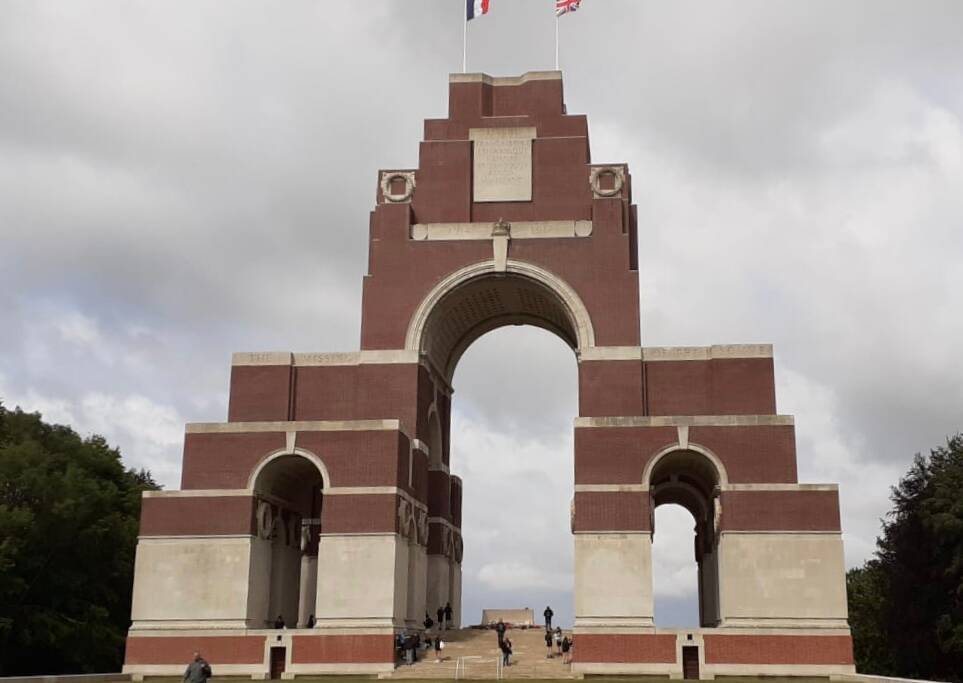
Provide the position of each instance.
(906, 602)
(69, 513)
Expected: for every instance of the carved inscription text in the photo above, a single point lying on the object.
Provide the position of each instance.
(502, 169)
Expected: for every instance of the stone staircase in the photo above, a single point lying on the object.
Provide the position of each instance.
(477, 651)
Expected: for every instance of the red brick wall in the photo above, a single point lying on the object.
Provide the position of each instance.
(610, 388)
(780, 511)
(625, 648)
(606, 455)
(455, 498)
(336, 649)
(259, 393)
(197, 516)
(225, 461)
(439, 494)
(611, 511)
(752, 455)
(353, 458)
(360, 513)
(401, 272)
(723, 386)
(180, 650)
(759, 649)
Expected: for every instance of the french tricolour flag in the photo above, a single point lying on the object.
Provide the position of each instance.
(476, 8)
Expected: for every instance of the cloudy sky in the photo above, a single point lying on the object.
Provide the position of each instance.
(180, 180)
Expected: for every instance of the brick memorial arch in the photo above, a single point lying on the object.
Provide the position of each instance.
(328, 492)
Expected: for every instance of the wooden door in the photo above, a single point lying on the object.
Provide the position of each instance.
(278, 655)
(690, 662)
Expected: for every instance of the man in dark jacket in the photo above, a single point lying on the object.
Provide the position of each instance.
(548, 614)
(500, 632)
(198, 671)
(448, 614)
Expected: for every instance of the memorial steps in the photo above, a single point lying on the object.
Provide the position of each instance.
(477, 649)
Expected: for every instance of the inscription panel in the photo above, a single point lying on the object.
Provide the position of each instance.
(502, 168)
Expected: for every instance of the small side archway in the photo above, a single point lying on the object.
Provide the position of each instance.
(692, 477)
(288, 489)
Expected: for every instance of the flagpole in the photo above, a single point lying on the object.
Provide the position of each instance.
(556, 42)
(464, 43)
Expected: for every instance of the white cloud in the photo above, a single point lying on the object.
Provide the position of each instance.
(674, 569)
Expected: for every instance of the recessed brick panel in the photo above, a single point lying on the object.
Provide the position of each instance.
(202, 516)
(780, 511)
(794, 649)
(180, 650)
(361, 649)
(625, 648)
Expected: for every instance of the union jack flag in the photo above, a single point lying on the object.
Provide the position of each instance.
(566, 6)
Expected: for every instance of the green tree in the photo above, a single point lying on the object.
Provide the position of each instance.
(69, 514)
(906, 605)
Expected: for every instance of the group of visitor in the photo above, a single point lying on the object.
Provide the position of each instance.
(563, 644)
(407, 646)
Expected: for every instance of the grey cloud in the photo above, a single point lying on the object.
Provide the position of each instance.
(195, 179)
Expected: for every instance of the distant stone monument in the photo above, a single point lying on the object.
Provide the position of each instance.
(514, 617)
(328, 491)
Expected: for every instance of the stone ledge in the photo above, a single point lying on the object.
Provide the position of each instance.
(297, 426)
(505, 80)
(686, 421)
(323, 359)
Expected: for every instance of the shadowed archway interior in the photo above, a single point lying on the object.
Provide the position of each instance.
(690, 479)
(488, 302)
(289, 493)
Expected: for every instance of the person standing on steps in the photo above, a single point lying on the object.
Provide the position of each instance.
(506, 648)
(566, 646)
(448, 614)
(548, 644)
(558, 639)
(500, 632)
(428, 622)
(441, 617)
(548, 614)
(439, 645)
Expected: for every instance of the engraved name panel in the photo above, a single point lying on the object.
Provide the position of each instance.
(502, 170)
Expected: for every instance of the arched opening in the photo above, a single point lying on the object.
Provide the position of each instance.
(288, 488)
(512, 444)
(478, 299)
(504, 433)
(689, 480)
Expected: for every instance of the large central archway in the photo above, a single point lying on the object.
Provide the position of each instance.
(458, 311)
